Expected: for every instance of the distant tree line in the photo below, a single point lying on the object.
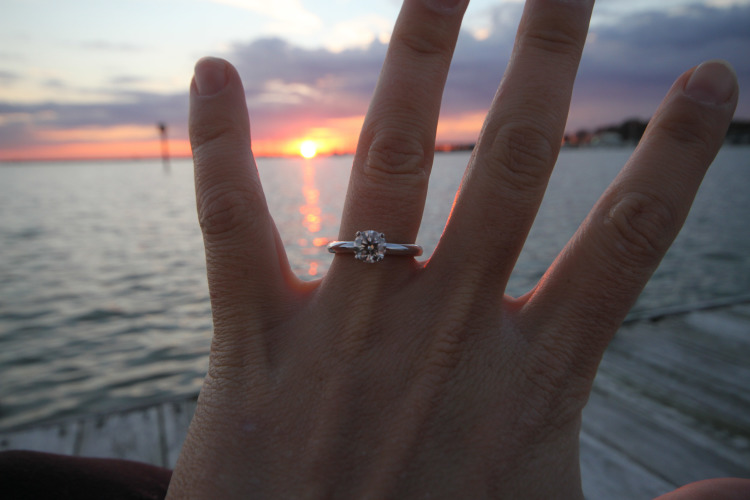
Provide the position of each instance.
(628, 132)
(739, 132)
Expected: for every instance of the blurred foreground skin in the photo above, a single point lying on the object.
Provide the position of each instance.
(422, 380)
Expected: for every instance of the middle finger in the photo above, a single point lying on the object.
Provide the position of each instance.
(519, 143)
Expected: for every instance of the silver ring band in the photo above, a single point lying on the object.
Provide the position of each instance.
(370, 246)
(390, 248)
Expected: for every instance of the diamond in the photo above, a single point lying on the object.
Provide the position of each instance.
(369, 246)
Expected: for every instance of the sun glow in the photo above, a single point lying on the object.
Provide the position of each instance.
(308, 149)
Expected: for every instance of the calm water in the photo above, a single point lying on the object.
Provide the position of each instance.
(103, 297)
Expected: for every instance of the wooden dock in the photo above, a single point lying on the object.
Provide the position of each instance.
(670, 405)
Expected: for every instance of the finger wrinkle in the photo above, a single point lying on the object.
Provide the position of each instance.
(392, 151)
(446, 7)
(644, 226)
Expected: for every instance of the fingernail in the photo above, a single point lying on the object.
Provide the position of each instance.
(210, 76)
(713, 82)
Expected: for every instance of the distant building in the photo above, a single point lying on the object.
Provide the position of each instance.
(739, 133)
(607, 139)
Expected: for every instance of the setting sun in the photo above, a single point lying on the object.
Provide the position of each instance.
(308, 149)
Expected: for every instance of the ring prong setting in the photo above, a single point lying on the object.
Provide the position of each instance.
(369, 246)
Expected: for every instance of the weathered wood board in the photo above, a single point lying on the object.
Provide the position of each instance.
(670, 405)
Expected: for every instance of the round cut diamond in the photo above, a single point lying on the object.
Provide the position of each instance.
(369, 246)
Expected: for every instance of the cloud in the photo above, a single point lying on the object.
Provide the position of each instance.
(359, 32)
(126, 80)
(10, 56)
(627, 68)
(286, 82)
(23, 125)
(99, 134)
(54, 83)
(683, 28)
(727, 3)
(288, 16)
(7, 77)
(106, 45)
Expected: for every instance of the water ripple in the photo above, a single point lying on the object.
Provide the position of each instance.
(103, 296)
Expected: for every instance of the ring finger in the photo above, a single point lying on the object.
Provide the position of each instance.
(392, 164)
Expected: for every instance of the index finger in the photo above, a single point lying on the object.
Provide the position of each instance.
(244, 257)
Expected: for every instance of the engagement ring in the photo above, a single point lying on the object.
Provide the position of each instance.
(370, 246)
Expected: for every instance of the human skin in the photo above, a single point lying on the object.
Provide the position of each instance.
(407, 379)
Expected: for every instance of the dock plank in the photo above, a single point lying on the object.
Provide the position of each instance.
(731, 326)
(134, 435)
(177, 417)
(698, 371)
(670, 405)
(704, 435)
(608, 474)
(677, 453)
(60, 438)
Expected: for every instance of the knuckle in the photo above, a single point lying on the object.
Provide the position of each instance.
(396, 156)
(524, 155)
(643, 227)
(220, 130)
(204, 137)
(558, 39)
(422, 46)
(224, 211)
(687, 130)
(215, 129)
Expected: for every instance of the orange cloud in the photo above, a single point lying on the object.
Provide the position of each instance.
(331, 136)
(464, 127)
(99, 134)
(95, 150)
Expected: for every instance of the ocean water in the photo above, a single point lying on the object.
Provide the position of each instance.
(103, 295)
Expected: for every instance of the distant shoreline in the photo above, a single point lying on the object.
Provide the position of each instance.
(439, 149)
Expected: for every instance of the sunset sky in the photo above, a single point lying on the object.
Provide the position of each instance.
(92, 78)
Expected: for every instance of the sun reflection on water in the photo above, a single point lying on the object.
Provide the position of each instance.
(311, 218)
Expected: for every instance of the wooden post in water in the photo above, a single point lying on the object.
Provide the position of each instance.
(164, 145)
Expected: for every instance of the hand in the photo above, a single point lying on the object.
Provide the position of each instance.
(404, 379)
